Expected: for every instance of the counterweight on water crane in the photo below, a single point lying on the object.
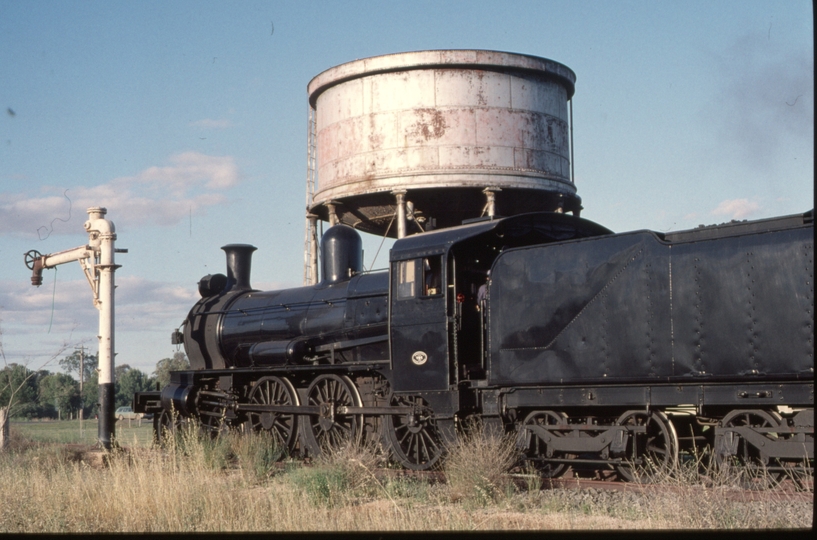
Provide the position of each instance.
(97, 261)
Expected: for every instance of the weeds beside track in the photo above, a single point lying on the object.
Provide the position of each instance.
(234, 484)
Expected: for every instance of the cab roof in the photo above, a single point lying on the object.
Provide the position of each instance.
(527, 229)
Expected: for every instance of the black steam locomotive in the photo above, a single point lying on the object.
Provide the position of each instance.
(601, 351)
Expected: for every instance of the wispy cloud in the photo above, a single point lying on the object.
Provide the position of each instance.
(209, 123)
(736, 208)
(160, 195)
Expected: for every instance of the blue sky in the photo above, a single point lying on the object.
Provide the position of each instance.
(187, 120)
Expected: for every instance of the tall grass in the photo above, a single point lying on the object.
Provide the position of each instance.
(477, 469)
(231, 483)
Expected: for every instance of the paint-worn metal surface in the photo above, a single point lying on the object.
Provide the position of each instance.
(443, 125)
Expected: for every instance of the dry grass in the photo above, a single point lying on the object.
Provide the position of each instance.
(229, 484)
(477, 469)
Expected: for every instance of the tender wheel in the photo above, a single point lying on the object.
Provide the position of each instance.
(331, 429)
(651, 451)
(732, 449)
(534, 448)
(413, 439)
(282, 426)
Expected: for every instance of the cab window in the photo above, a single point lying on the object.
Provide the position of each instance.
(432, 276)
(405, 279)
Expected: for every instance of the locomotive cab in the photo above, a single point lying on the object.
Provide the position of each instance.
(437, 326)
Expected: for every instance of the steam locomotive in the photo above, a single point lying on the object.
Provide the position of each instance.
(603, 352)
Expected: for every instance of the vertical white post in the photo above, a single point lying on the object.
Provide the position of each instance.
(102, 235)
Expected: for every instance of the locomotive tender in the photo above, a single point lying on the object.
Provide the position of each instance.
(599, 350)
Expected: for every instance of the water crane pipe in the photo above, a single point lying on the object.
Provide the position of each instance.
(97, 261)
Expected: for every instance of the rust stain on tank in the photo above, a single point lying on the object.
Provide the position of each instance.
(481, 99)
(376, 136)
(430, 124)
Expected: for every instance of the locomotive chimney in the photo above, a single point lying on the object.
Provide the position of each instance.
(239, 261)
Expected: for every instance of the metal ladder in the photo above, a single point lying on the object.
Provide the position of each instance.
(310, 232)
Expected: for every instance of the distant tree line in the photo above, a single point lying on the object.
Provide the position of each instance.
(42, 394)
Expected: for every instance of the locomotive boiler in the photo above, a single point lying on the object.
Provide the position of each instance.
(598, 351)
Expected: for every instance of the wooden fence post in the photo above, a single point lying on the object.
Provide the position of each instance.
(4, 428)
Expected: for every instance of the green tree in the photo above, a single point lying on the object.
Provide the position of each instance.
(131, 381)
(120, 370)
(19, 390)
(71, 364)
(164, 366)
(90, 395)
(59, 391)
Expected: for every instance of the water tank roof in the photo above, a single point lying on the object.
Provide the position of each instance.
(453, 58)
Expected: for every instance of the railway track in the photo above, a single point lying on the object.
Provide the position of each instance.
(787, 489)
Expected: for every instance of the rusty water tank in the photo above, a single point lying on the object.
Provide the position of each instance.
(453, 134)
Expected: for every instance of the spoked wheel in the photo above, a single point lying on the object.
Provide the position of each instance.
(651, 451)
(283, 427)
(413, 438)
(732, 449)
(331, 429)
(166, 425)
(212, 422)
(31, 257)
(535, 449)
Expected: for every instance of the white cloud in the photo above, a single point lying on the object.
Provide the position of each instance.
(156, 196)
(209, 123)
(141, 302)
(736, 208)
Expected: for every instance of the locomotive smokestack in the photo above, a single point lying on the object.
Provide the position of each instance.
(239, 262)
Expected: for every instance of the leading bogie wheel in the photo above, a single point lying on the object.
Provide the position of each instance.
(167, 425)
(332, 428)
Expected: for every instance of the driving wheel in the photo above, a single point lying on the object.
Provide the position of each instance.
(332, 428)
(413, 438)
(282, 426)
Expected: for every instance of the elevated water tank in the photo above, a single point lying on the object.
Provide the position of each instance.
(427, 139)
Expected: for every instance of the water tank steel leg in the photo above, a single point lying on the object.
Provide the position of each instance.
(400, 195)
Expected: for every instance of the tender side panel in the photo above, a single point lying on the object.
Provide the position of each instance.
(631, 307)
